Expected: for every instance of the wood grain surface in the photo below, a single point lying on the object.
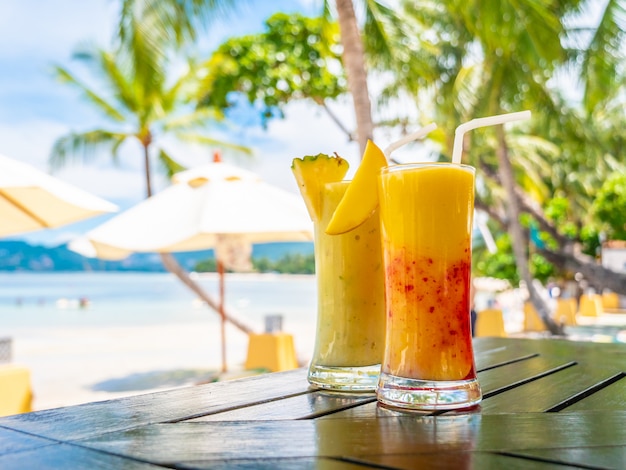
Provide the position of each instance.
(548, 403)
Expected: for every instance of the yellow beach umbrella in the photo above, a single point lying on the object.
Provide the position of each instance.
(31, 200)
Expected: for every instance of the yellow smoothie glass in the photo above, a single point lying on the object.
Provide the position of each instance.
(350, 331)
(426, 214)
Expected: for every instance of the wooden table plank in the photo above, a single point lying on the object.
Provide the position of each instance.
(608, 457)
(360, 439)
(278, 421)
(463, 460)
(500, 379)
(305, 463)
(15, 441)
(490, 355)
(609, 355)
(91, 419)
(549, 391)
(307, 406)
(612, 397)
(452, 460)
(66, 456)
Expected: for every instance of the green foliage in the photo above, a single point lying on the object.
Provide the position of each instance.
(500, 265)
(208, 265)
(457, 61)
(557, 209)
(540, 268)
(295, 263)
(296, 58)
(610, 206)
(590, 240)
(138, 107)
(291, 263)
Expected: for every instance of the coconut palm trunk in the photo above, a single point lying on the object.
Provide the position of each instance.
(356, 72)
(517, 235)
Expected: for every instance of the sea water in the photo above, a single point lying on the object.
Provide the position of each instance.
(135, 299)
(98, 335)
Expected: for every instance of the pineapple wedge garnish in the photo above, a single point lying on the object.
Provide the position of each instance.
(361, 198)
(312, 173)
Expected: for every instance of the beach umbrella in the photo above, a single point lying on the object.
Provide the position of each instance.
(204, 206)
(216, 205)
(31, 200)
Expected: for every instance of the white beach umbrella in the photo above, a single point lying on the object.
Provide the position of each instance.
(206, 205)
(213, 206)
(32, 200)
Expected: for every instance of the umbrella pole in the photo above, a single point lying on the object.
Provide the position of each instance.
(220, 271)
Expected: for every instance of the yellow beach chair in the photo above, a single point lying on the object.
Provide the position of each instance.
(532, 320)
(565, 312)
(16, 395)
(271, 351)
(610, 301)
(590, 305)
(490, 322)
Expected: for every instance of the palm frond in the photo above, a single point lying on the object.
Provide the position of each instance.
(65, 76)
(184, 89)
(168, 165)
(172, 22)
(198, 117)
(85, 146)
(120, 83)
(605, 55)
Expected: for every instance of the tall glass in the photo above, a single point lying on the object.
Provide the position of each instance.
(350, 331)
(426, 217)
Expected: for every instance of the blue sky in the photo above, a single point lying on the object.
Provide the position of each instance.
(35, 110)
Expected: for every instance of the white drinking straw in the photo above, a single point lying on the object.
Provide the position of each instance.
(457, 150)
(418, 134)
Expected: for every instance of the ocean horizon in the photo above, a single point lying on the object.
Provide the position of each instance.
(88, 336)
(71, 299)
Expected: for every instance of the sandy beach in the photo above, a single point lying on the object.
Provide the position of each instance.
(140, 332)
(70, 367)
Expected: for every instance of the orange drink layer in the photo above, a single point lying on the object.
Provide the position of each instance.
(351, 315)
(426, 217)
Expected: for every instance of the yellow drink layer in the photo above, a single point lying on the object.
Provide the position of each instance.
(426, 215)
(351, 312)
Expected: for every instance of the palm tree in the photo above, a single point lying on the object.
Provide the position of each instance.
(152, 27)
(496, 57)
(143, 111)
(520, 47)
(356, 73)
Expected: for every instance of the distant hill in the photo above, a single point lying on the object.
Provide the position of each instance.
(21, 256)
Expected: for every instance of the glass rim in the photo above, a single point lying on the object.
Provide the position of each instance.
(420, 165)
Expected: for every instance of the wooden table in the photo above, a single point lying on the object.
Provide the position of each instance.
(547, 404)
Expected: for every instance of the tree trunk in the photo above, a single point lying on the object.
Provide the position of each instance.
(356, 73)
(596, 275)
(172, 266)
(517, 235)
(568, 254)
(146, 162)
